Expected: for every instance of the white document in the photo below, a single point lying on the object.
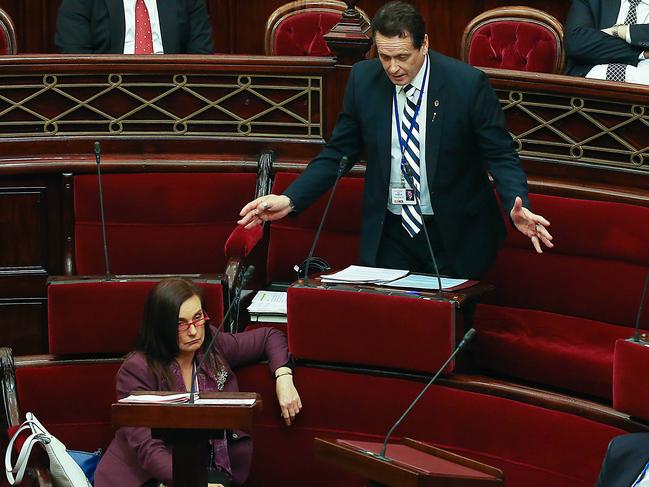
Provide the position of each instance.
(268, 302)
(367, 275)
(157, 398)
(183, 397)
(225, 402)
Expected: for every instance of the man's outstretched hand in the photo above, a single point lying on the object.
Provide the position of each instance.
(531, 225)
(265, 208)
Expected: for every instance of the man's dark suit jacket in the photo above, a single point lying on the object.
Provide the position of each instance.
(97, 27)
(625, 458)
(465, 134)
(586, 45)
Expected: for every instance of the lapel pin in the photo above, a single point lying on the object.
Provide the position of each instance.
(436, 103)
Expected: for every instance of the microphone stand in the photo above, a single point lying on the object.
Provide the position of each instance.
(636, 337)
(342, 165)
(425, 230)
(101, 209)
(250, 270)
(467, 337)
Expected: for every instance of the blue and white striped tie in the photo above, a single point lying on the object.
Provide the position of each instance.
(410, 214)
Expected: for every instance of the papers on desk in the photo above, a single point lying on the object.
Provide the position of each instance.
(268, 306)
(419, 281)
(357, 274)
(184, 398)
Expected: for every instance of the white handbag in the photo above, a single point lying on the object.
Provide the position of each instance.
(65, 471)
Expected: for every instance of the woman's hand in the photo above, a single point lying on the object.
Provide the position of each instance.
(289, 399)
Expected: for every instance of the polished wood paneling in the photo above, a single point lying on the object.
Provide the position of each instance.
(30, 247)
(22, 325)
(239, 24)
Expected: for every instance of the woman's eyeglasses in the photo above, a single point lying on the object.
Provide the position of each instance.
(198, 322)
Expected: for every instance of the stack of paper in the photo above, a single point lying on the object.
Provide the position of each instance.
(184, 398)
(269, 306)
(364, 275)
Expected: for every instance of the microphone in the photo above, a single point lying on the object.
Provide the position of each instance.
(636, 337)
(467, 337)
(101, 209)
(342, 166)
(245, 277)
(411, 182)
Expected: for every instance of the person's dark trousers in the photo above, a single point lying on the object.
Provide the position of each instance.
(398, 250)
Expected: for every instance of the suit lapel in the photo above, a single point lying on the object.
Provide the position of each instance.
(436, 105)
(168, 24)
(610, 12)
(117, 27)
(384, 125)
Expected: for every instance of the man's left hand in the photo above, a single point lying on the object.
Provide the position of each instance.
(531, 225)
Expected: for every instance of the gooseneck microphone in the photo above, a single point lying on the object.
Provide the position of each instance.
(245, 277)
(101, 209)
(342, 166)
(636, 337)
(411, 182)
(467, 337)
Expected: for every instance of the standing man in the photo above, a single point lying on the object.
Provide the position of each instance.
(427, 123)
(133, 27)
(608, 39)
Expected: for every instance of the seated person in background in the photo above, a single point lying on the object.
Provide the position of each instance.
(133, 27)
(608, 39)
(172, 340)
(626, 462)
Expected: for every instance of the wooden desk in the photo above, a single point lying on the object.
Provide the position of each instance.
(186, 428)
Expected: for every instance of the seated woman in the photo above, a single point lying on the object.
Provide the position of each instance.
(172, 340)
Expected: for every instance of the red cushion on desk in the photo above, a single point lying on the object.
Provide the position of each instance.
(373, 329)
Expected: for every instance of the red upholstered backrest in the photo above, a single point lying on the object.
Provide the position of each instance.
(7, 34)
(522, 46)
(596, 271)
(72, 401)
(104, 316)
(292, 237)
(301, 33)
(518, 38)
(158, 223)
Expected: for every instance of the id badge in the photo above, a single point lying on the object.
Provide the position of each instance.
(402, 196)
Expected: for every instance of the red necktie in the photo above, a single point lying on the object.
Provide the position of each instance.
(143, 37)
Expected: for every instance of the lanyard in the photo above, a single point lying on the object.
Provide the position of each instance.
(409, 130)
(642, 475)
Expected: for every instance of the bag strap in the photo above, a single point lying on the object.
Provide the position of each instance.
(21, 462)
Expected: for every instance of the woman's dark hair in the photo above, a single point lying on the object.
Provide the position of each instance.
(399, 19)
(158, 337)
